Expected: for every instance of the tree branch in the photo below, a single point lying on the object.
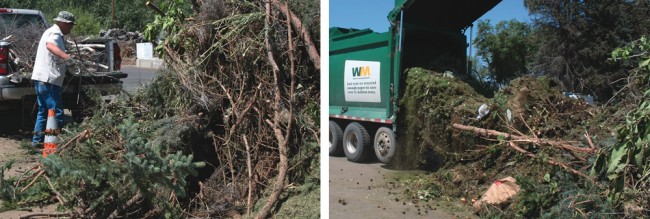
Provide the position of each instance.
(281, 138)
(517, 138)
(55, 215)
(297, 23)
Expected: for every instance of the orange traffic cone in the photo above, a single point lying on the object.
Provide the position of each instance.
(51, 130)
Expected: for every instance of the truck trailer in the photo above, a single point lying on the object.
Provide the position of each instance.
(367, 70)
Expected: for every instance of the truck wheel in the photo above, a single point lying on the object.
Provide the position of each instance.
(385, 144)
(356, 142)
(336, 139)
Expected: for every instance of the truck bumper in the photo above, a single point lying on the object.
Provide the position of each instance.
(12, 92)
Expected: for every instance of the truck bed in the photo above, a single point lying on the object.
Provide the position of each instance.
(103, 82)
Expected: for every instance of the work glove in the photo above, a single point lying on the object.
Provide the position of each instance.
(72, 61)
(73, 64)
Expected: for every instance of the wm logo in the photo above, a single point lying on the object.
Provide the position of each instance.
(361, 71)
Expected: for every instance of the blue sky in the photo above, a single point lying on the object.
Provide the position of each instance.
(372, 14)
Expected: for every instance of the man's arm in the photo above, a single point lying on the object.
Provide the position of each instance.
(56, 51)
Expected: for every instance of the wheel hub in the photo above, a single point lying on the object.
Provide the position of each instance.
(383, 144)
(351, 142)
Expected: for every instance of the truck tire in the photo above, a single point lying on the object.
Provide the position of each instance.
(385, 144)
(336, 139)
(356, 142)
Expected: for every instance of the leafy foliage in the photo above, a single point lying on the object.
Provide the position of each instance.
(86, 24)
(626, 165)
(94, 15)
(576, 37)
(137, 160)
(443, 101)
(506, 48)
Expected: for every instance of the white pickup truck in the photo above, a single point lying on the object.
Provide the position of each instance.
(16, 88)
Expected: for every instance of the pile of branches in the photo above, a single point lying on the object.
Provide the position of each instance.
(225, 130)
(24, 43)
(255, 65)
(121, 35)
(533, 133)
(576, 154)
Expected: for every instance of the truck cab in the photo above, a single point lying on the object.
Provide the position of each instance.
(18, 18)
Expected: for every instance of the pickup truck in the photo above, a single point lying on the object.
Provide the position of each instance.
(95, 73)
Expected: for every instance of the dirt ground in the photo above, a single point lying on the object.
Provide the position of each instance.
(368, 191)
(11, 138)
(10, 150)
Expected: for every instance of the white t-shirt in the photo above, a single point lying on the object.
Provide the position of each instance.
(49, 67)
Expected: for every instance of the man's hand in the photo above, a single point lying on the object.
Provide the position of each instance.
(72, 61)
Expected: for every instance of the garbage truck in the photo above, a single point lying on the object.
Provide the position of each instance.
(367, 68)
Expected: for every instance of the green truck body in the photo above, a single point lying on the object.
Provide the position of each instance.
(366, 69)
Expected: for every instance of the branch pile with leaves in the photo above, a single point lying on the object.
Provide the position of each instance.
(230, 128)
(626, 165)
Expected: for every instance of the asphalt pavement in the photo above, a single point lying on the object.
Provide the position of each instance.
(137, 77)
(365, 190)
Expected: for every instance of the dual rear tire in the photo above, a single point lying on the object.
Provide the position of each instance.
(356, 144)
(336, 139)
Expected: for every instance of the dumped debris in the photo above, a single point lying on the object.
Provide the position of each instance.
(122, 35)
(534, 133)
(443, 101)
(483, 111)
(24, 43)
(500, 191)
(90, 52)
(229, 128)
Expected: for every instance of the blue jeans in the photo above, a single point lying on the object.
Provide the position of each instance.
(48, 96)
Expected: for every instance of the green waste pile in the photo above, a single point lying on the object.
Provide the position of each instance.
(430, 104)
(537, 135)
(220, 132)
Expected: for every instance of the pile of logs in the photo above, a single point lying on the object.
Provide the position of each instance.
(122, 35)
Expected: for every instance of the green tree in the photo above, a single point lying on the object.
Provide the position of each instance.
(505, 48)
(577, 36)
(131, 15)
(86, 23)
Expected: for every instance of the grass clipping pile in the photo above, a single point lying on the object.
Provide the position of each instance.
(532, 133)
(229, 129)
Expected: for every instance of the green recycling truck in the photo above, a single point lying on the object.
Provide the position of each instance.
(367, 70)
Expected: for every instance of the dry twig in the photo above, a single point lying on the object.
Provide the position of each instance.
(591, 144)
(38, 174)
(130, 202)
(282, 139)
(54, 215)
(512, 139)
(551, 161)
(518, 138)
(250, 176)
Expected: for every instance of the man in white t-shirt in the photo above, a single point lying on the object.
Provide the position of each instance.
(49, 71)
